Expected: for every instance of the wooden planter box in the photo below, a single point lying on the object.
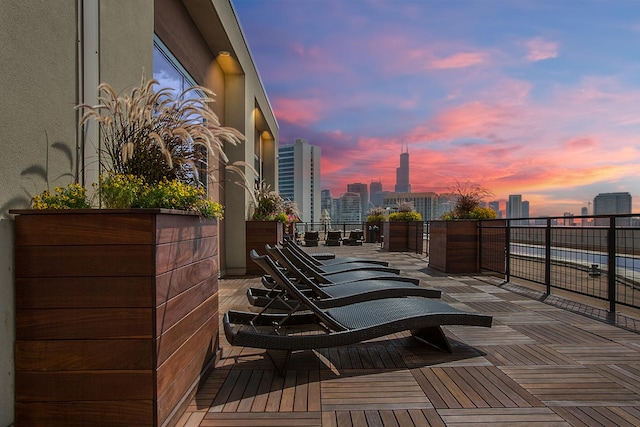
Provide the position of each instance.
(259, 234)
(403, 236)
(453, 246)
(116, 315)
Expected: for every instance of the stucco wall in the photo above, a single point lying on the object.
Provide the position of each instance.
(38, 81)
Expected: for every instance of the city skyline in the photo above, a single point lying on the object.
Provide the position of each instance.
(540, 98)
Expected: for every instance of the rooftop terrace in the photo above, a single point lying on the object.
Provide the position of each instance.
(544, 362)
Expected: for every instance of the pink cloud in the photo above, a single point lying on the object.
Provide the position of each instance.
(540, 49)
(579, 144)
(459, 60)
(298, 111)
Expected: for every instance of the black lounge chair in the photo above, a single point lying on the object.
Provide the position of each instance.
(279, 334)
(338, 267)
(356, 237)
(312, 259)
(331, 295)
(357, 272)
(333, 238)
(311, 238)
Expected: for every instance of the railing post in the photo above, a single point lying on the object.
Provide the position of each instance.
(507, 251)
(480, 246)
(547, 256)
(611, 264)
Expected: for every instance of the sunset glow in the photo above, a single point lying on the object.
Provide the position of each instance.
(539, 98)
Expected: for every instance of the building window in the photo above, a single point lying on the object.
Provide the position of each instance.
(169, 73)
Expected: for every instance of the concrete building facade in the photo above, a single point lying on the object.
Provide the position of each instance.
(54, 56)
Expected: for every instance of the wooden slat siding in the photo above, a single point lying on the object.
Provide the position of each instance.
(93, 323)
(87, 413)
(86, 228)
(170, 256)
(186, 378)
(167, 314)
(173, 338)
(175, 228)
(124, 270)
(196, 347)
(84, 261)
(174, 282)
(453, 246)
(71, 292)
(84, 385)
(80, 355)
(257, 235)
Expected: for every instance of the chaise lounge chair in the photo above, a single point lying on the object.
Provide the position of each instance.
(311, 238)
(343, 325)
(356, 237)
(354, 271)
(331, 295)
(333, 238)
(338, 267)
(334, 261)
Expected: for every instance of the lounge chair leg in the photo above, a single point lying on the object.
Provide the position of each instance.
(435, 336)
(280, 359)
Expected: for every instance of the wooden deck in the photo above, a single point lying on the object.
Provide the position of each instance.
(539, 365)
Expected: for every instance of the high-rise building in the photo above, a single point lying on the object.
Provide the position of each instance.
(612, 204)
(350, 208)
(363, 191)
(514, 206)
(299, 177)
(375, 193)
(402, 174)
(423, 203)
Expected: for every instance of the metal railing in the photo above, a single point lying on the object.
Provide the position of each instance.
(595, 256)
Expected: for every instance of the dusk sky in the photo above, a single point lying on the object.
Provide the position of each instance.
(531, 97)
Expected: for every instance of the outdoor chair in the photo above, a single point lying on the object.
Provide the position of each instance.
(334, 267)
(333, 238)
(311, 238)
(341, 272)
(348, 324)
(356, 237)
(313, 259)
(333, 294)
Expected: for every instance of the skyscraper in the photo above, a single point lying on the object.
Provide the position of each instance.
(299, 177)
(363, 191)
(375, 193)
(402, 173)
(514, 208)
(612, 204)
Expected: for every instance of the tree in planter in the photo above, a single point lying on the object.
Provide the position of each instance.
(468, 197)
